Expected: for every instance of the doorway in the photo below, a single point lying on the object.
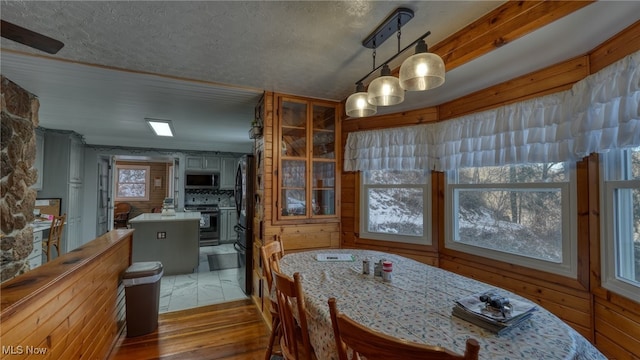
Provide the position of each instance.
(161, 179)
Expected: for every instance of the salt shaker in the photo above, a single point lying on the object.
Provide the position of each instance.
(387, 268)
(366, 267)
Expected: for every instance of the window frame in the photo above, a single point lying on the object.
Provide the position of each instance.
(426, 238)
(568, 267)
(613, 165)
(147, 183)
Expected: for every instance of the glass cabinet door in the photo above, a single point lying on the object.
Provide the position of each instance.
(294, 129)
(324, 170)
(294, 198)
(307, 159)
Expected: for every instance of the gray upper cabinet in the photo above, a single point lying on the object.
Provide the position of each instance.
(76, 151)
(62, 178)
(228, 173)
(203, 163)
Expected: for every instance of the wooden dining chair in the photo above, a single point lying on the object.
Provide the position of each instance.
(55, 236)
(375, 345)
(121, 212)
(270, 254)
(294, 343)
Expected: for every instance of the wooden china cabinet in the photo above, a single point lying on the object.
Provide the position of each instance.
(307, 161)
(297, 178)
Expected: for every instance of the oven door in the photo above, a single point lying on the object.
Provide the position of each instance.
(209, 228)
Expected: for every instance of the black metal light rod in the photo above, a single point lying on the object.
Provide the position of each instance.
(394, 56)
(389, 26)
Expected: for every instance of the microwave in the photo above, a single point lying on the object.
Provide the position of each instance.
(202, 180)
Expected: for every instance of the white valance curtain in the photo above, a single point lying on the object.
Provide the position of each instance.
(599, 113)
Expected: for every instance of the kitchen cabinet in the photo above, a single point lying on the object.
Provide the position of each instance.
(63, 176)
(75, 159)
(74, 217)
(228, 173)
(39, 162)
(307, 159)
(203, 163)
(35, 258)
(228, 220)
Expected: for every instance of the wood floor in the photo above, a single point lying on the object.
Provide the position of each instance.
(233, 330)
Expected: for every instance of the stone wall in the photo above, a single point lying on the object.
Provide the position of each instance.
(19, 118)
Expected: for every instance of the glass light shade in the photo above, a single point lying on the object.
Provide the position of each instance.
(422, 71)
(358, 106)
(385, 90)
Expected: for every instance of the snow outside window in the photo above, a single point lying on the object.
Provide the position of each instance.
(132, 183)
(396, 206)
(621, 222)
(520, 214)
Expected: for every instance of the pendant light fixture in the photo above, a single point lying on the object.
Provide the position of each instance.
(358, 104)
(422, 71)
(385, 90)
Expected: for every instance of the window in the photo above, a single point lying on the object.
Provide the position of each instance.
(521, 214)
(621, 222)
(132, 183)
(396, 206)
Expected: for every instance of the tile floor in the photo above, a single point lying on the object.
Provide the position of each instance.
(204, 287)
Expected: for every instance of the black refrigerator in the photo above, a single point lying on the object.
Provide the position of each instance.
(244, 196)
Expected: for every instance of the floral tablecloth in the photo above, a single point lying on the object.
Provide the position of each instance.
(416, 305)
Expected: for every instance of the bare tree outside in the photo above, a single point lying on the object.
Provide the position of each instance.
(520, 220)
(132, 183)
(396, 202)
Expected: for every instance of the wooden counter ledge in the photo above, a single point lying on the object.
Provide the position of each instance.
(71, 307)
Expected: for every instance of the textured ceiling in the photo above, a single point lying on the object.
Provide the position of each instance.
(205, 64)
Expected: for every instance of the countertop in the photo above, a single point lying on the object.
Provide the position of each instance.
(41, 225)
(179, 216)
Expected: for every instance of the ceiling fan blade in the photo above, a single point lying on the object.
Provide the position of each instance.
(30, 38)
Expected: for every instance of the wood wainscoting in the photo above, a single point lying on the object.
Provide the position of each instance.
(71, 307)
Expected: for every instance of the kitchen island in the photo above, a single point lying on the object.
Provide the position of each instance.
(172, 240)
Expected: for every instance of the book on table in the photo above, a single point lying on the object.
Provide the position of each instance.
(335, 257)
(495, 319)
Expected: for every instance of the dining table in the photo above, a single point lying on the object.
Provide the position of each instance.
(416, 305)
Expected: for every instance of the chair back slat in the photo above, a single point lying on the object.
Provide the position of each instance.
(271, 253)
(291, 301)
(54, 239)
(375, 345)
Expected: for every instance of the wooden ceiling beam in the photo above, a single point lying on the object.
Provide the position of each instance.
(499, 27)
(508, 22)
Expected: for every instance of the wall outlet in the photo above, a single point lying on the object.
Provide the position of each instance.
(161, 235)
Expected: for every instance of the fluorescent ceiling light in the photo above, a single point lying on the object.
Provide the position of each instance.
(160, 127)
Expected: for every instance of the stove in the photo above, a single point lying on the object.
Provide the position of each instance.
(201, 208)
(209, 223)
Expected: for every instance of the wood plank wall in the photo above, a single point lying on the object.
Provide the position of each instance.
(157, 194)
(610, 321)
(71, 307)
